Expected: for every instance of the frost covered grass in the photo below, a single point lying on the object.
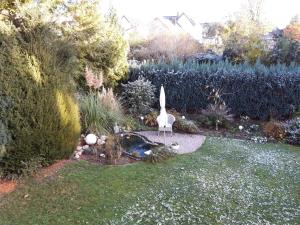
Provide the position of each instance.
(226, 182)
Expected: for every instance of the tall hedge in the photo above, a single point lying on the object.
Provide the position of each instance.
(39, 115)
(257, 91)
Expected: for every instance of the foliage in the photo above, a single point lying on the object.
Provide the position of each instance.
(93, 81)
(165, 46)
(242, 46)
(138, 96)
(36, 78)
(113, 149)
(242, 35)
(159, 154)
(30, 167)
(131, 124)
(218, 113)
(274, 129)
(97, 114)
(98, 40)
(100, 110)
(292, 30)
(5, 136)
(173, 112)
(151, 119)
(11, 5)
(109, 101)
(292, 131)
(285, 51)
(185, 126)
(203, 121)
(286, 47)
(276, 94)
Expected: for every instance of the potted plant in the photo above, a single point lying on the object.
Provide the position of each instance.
(175, 146)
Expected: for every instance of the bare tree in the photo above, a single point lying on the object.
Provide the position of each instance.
(255, 10)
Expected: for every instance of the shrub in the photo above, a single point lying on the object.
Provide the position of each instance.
(292, 130)
(286, 49)
(109, 100)
(131, 124)
(5, 136)
(100, 112)
(185, 126)
(138, 96)
(173, 112)
(218, 114)
(159, 153)
(165, 46)
(203, 121)
(43, 117)
(98, 40)
(151, 119)
(93, 81)
(257, 91)
(274, 129)
(113, 149)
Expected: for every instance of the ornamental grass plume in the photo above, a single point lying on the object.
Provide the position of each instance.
(108, 99)
(93, 81)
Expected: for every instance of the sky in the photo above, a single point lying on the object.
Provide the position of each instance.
(276, 12)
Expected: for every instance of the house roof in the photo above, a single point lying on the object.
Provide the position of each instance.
(126, 24)
(180, 23)
(175, 19)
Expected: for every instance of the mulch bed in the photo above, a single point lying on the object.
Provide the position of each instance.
(52, 170)
(7, 186)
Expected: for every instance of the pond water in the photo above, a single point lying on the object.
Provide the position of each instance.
(136, 145)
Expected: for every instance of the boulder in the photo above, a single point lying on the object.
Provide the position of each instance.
(91, 139)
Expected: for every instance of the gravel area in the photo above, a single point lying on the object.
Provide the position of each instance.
(187, 142)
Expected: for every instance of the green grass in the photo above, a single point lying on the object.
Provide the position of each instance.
(226, 182)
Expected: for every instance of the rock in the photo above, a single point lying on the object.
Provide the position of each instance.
(89, 151)
(254, 127)
(85, 147)
(103, 137)
(91, 139)
(102, 155)
(116, 128)
(149, 152)
(79, 148)
(100, 142)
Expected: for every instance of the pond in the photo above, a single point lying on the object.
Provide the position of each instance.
(136, 145)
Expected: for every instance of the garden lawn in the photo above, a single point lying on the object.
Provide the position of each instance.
(225, 182)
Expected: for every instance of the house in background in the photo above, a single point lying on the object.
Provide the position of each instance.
(181, 23)
(126, 24)
(161, 25)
